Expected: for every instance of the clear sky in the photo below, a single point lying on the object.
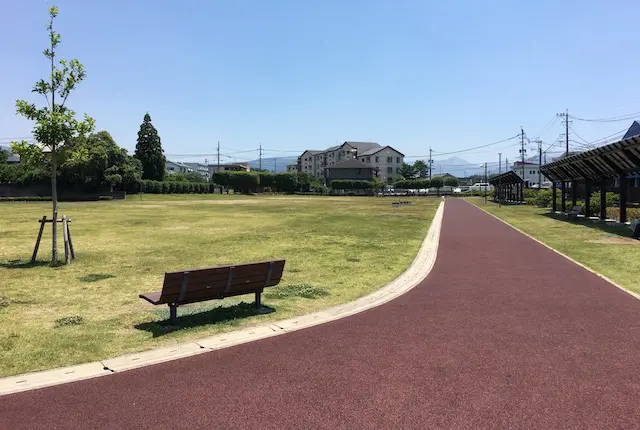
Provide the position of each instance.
(297, 74)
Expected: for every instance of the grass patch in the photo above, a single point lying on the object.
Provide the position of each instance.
(124, 247)
(607, 249)
(298, 290)
(95, 277)
(71, 320)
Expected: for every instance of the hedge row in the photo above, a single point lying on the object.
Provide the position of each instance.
(170, 187)
(253, 182)
(343, 184)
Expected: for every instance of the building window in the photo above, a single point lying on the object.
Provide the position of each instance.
(389, 159)
(368, 159)
(398, 169)
(377, 159)
(389, 169)
(398, 160)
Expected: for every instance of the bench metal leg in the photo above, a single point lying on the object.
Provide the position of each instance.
(258, 301)
(173, 313)
(262, 309)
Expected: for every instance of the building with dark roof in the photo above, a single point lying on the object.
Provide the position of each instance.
(351, 169)
(385, 161)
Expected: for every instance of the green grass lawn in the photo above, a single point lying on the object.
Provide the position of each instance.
(608, 250)
(337, 249)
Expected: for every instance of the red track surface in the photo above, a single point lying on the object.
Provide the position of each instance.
(504, 334)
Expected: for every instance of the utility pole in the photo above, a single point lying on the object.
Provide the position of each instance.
(523, 151)
(565, 115)
(539, 142)
(430, 162)
(260, 158)
(218, 154)
(499, 190)
(566, 127)
(485, 182)
(274, 164)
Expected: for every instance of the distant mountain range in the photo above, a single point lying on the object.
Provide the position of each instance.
(459, 167)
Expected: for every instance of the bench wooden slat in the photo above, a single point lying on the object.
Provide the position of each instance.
(213, 275)
(152, 298)
(219, 294)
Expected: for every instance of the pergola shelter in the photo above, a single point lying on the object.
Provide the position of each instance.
(509, 187)
(596, 167)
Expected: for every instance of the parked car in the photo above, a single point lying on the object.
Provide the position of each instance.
(481, 186)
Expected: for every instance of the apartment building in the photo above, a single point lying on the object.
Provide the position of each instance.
(385, 160)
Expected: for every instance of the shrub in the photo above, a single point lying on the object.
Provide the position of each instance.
(542, 198)
(246, 182)
(437, 183)
(344, 184)
(594, 205)
(451, 181)
(105, 198)
(222, 177)
(285, 182)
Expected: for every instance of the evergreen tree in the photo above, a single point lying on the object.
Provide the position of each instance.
(149, 151)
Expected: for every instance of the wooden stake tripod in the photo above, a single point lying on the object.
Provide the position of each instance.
(68, 244)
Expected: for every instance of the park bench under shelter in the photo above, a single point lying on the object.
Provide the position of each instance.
(597, 167)
(509, 187)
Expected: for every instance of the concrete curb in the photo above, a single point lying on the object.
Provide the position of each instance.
(419, 269)
(631, 293)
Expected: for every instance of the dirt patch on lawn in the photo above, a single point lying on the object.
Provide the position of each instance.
(616, 241)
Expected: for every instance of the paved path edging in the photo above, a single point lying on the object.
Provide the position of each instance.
(631, 293)
(419, 269)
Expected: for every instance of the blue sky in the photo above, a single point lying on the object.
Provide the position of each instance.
(294, 74)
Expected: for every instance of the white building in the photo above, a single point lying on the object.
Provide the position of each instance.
(202, 169)
(531, 174)
(173, 167)
(387, 161)
(292, 167)
(232, 167)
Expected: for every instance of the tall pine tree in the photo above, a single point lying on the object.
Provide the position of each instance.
(149, 151)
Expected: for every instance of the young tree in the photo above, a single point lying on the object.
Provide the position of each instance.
(4, 156)
(421, 169)
(407, 171)
(451, 181)
(55, 123)
(149, 151)
(437, 183)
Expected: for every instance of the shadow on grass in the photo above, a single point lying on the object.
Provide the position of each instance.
(193, 318)
(23, 264)
(94, 277)
(605, 227)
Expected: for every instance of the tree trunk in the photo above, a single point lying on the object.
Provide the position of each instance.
(54, 199)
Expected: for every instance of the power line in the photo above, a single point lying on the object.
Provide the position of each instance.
(476, 147)
(626, 117)
(551, 123)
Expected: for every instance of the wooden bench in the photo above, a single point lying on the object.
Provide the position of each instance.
(575, 211)
(212, 283)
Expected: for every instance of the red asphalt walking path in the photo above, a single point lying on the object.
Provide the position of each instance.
(503, 333)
